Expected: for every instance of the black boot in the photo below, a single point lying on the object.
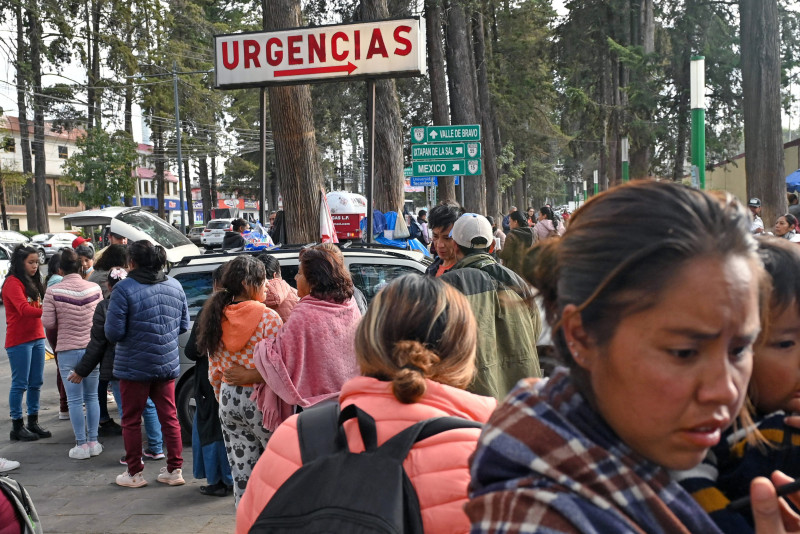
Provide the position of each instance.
(33, 426)
(19, 432)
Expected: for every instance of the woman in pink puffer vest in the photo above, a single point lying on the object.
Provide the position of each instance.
(416, 350)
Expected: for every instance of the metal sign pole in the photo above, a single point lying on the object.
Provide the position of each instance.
(370, 154)
(262, 171)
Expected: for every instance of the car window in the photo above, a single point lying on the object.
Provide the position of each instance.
(197, 287)
(371, 278)
(217, 225)
(160, 230)
(3, 254)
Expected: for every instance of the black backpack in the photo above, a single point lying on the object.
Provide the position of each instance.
(337, 491)
(414, 230)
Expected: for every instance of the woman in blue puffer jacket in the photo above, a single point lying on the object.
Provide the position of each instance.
(146, 314)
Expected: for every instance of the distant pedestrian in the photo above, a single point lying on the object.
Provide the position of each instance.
(86, 257)
(794, 204)
(53, 277)
(532, 219)
(756, 225)
(442, 217)
(499, 236)
(233, 239)
(210, 460)
(277, 229)
(22, 294)
(547, 226)
(68, 309)
(146, 314)
(786, 227)
(281, 297)
(507, 219)
(422, 220)
(517, 244)
(508, 320)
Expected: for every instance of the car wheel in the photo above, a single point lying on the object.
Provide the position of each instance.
(184, 402)
(42, 257)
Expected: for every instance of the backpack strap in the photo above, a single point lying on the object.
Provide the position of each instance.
(318, 431)
(400, 445)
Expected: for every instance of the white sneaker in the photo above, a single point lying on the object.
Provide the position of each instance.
(63, 416)
(95, 448)
(173, 479)
(135, 481)
(80, 452)
(7, 465)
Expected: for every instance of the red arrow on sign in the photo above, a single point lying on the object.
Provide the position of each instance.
(349, 68)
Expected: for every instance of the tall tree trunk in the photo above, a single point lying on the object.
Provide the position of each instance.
(95, 78)
(158, 156)
(39, 167)
(24, 129)
(187, 189)
(205, 188)
(761, 89)
(213, 184)
(462, 93)
(446, 189)
(487, 120)
(388, 192)
(295, 140)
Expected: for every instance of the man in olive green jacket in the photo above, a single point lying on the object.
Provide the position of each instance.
(508, 320)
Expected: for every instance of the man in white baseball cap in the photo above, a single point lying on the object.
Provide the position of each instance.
(757, 225)
(508, 322)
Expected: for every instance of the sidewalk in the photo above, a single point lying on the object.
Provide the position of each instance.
(80, 496)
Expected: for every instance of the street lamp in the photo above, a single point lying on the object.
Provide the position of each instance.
(698, 100)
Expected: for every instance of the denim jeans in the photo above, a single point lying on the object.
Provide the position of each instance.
(151, 425)
(80, 394)
(27, 374)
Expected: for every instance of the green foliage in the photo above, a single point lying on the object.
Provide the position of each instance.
(103, 165)
(513, 171)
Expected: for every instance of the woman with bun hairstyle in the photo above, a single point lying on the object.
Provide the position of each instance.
(22, 294)
(146, 313)
(547, 225)
(657, 331)
(416, 351)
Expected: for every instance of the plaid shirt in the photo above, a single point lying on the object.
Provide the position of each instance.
(546, 463)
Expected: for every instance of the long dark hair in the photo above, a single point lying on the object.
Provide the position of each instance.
(33, 285)
(113, 256)
(242, 272)
(144, 255)
(53, 266)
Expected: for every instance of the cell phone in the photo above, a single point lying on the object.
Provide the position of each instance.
(744, 502)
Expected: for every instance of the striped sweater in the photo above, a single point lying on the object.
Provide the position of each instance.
(68, 309)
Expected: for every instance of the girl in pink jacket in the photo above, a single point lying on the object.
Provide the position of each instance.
(416, 351)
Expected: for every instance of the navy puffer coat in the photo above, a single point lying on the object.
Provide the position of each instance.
(147, 313)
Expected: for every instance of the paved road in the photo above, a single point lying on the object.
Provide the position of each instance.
(80, 496)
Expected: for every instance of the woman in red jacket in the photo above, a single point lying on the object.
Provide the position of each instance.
(416, 350)
(22, 295)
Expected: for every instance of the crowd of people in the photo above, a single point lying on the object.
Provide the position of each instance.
(676, 398)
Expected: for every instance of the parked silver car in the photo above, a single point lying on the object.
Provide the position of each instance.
(11, 239)
(48, 244)
(371, 267)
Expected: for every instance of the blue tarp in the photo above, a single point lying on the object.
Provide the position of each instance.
(793, 182)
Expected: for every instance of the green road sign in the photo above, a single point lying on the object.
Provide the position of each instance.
(471, 167)
(407, 172)
(445, 134)
(446, 151)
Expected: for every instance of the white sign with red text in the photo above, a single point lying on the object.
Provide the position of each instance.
(322, 53)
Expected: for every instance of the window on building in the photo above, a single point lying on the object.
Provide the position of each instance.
(49, 195)
(67, 226)
(14, 224)
(14, 195)
(62, 152)
(67, 196)
(146, 187)
(10, 144)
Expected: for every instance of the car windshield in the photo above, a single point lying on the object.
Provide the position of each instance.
(40, 238)
(217, 225)
(166, 235)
